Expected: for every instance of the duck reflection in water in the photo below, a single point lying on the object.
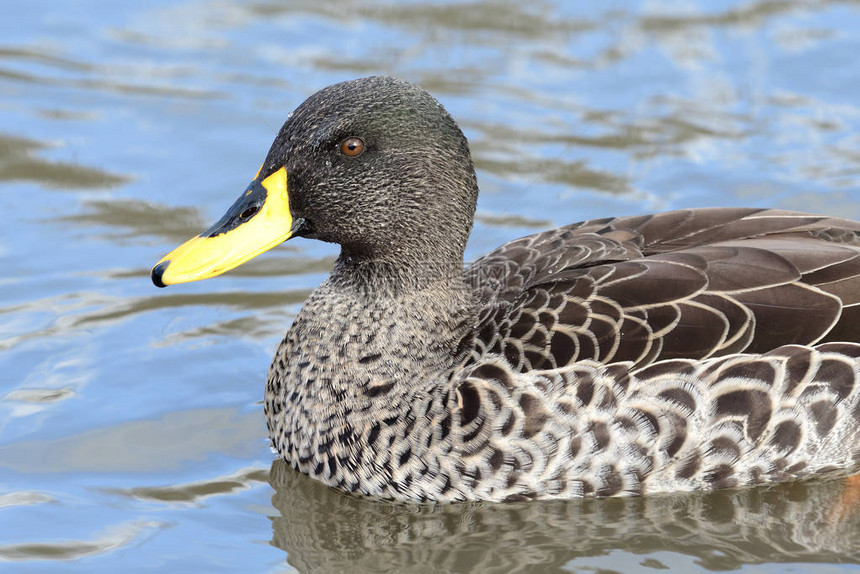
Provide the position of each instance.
(325, 531)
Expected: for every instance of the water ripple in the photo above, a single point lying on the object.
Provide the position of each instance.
(112, 539)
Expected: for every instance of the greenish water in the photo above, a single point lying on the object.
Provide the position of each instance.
(131, 429)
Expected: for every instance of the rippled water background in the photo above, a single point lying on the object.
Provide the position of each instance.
(131, 429)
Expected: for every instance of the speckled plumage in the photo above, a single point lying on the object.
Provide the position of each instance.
(687, 350)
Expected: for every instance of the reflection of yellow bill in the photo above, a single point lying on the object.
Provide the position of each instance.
(259, 220)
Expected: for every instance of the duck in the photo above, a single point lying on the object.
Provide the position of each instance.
(689, 350)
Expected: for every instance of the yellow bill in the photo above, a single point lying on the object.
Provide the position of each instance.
(259, 220)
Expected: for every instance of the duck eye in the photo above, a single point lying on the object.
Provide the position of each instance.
(352, 147)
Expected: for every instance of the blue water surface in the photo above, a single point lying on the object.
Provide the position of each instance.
(131, 428)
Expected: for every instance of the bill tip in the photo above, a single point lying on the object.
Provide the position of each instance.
(158, 272)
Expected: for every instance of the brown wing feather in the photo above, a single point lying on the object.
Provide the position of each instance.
(685, 284)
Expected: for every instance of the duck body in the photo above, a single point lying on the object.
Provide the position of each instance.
(593, 360)
(687, 350)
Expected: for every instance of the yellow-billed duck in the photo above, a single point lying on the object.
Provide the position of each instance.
(688, 350)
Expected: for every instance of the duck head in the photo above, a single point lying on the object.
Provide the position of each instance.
(376, 165)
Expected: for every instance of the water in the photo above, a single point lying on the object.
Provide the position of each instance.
(131, 429)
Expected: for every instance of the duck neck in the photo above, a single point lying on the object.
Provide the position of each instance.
(398, 273)
(413, 314)
(371, 343)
